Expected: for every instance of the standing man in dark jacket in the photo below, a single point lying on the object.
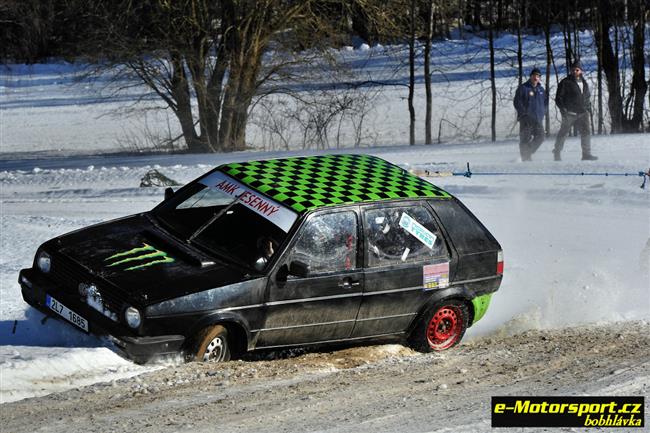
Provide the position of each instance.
(573, 100)
(531, 103)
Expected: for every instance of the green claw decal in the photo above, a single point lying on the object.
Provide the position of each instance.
(144, 253)
(145, 247)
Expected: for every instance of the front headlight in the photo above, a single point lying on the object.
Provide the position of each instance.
(132, 317)
(44, 262)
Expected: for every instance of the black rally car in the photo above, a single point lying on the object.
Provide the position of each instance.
(276, 253)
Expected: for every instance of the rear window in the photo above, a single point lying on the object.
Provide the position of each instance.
(466, 231)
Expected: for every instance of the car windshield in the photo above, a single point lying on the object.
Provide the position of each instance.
(239, 233)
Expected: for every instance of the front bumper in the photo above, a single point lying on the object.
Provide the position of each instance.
(140, 349)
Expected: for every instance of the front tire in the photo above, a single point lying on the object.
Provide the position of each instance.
(211, 345)
(442, 327)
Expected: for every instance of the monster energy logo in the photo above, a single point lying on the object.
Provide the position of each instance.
(142, 257)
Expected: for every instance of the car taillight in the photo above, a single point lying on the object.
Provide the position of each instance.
(500, 263)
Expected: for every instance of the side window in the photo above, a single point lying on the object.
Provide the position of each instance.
(327, 243)
(465, 230)
(403, 234)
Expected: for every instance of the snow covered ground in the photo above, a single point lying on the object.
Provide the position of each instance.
(576, 247)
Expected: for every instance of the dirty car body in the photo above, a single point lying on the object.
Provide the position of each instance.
(284, 252)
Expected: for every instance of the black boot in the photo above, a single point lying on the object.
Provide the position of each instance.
(589, 157)
(556, 156)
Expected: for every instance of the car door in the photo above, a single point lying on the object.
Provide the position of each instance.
(406, 257)
(314, 294)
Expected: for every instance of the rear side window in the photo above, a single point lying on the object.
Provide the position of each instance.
(467, 233)
(404, 234)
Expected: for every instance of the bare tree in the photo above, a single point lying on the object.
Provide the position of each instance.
(411, 72)
(204, 59)
(599, 77)
(460, 15)
(427, 71)
(639, 86)
(332, 114)
(609, 61)
(520, 66)
(493, 87)
(549, 60)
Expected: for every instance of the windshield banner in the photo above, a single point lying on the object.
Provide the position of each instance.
(273, 211)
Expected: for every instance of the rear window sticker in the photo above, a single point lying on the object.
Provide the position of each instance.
(420, 232)
(436, 276)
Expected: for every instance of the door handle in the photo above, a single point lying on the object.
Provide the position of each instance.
(346, 284)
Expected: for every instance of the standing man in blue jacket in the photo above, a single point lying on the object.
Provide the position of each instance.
(531, 103)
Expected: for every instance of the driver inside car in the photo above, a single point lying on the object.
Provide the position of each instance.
(266, 247)
(383, 237)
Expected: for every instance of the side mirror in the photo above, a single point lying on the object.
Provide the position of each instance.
(282, 274)
(169, 193)
(298, 269)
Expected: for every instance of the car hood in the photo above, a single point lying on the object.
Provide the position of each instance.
(143, 261)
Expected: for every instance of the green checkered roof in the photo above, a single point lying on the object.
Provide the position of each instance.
(306, 183)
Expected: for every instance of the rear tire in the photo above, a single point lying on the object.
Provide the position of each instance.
(211, 345)
(442, 327)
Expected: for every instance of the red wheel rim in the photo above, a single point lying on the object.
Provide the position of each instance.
(444, 328)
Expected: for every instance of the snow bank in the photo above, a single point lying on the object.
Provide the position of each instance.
(34, 371)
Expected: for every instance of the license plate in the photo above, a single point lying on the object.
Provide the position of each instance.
(66, 313)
